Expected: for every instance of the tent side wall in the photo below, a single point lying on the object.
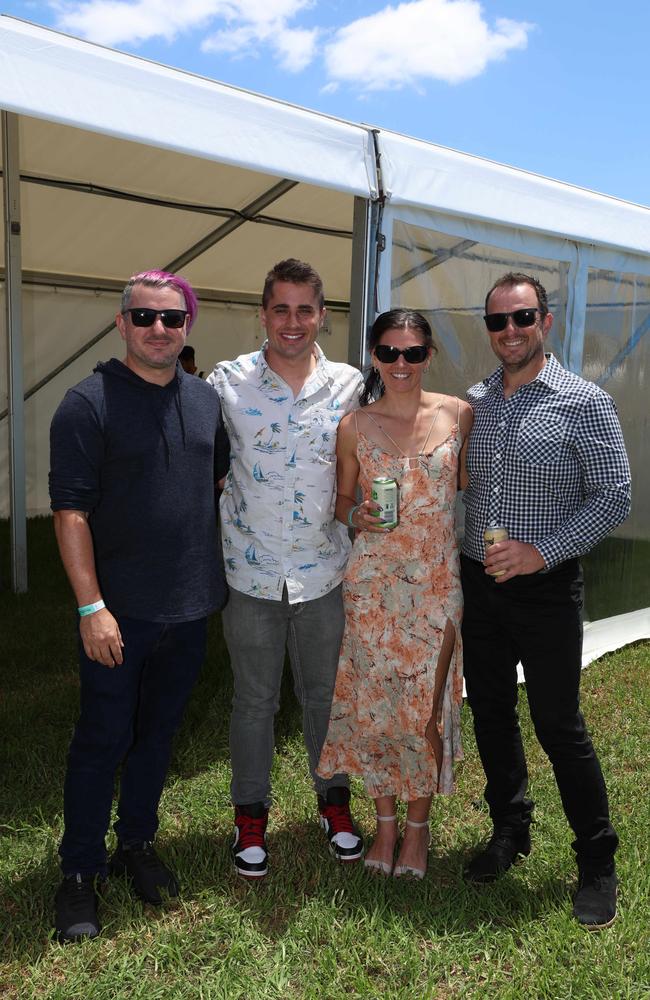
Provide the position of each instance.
(442, 262)
(241, 181)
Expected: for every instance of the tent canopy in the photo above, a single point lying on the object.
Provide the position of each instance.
(120, 164)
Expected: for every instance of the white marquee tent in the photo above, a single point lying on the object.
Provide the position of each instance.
(112, 164)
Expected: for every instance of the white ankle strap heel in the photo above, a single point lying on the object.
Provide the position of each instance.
(375, 864)
(417, 873)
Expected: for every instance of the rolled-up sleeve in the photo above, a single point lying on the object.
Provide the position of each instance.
(76, 455)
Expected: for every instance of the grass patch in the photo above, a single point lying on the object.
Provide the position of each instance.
(312, 930)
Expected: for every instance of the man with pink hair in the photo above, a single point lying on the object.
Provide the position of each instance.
(136, 450)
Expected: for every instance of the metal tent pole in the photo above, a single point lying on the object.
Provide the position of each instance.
(13, 307)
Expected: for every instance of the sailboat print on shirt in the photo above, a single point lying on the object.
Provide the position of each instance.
(259, 563)
(270, 479)
(268, 444)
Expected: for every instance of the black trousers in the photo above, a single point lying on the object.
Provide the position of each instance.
(537, 620)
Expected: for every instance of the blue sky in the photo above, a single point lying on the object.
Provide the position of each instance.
(558, 87)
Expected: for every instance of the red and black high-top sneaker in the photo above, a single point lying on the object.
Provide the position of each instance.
(345, 841)
(249, 846)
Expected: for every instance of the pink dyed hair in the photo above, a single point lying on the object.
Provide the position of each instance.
(163, 279)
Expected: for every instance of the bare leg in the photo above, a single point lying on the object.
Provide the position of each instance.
(380, 855)
(442, 669)
(415, 845)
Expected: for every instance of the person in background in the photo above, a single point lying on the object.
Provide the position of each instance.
(547, 462)
(285, 554)
(395, 717)
(188, 361)
(136, 449)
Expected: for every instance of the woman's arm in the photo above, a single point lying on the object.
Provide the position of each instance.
(354, 515)
(347, 469)
(466, 420)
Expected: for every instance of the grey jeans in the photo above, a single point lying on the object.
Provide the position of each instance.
(257, 633)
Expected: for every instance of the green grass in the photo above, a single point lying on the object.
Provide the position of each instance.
(311, 930)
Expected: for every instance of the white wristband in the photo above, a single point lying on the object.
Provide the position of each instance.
(90, 609)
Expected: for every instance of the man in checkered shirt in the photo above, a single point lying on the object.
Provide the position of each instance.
(546, 460)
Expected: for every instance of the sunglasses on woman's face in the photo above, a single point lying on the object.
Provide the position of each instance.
(412, 355)
(496, 322)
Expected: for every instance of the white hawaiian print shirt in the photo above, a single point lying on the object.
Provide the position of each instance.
(277, 508)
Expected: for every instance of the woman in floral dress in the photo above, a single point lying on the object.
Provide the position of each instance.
(395, 714)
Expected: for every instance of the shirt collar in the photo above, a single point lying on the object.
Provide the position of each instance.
(320, 375)
(550, 376)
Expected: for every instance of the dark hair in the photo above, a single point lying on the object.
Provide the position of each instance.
(518, 278)
(394, 319)
(186, 352)
(298, 273)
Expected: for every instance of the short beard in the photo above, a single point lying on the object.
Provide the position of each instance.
(519, 365)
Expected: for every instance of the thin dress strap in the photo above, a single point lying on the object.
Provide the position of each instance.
(395, 444)
(426, 440)
(387, 435)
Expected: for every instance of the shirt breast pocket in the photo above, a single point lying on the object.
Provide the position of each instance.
(540, 442)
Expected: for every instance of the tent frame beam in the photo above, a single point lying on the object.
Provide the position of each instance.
(223, 212)
(13, 311)
(208, 241)
(89, 283)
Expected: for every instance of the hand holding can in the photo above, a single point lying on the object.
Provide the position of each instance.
(385, 493)
(495, 533)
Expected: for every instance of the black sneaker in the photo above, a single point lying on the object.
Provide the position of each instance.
(345, 841)
(504, 847)
(249, 846)
(76, 909)
(594, 904)
(151, 878)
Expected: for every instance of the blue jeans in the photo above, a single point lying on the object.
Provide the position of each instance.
(129, 715)
(257, 633)
(536, 619)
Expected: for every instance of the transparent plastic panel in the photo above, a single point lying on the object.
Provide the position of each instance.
(617, 357)
(446, 278)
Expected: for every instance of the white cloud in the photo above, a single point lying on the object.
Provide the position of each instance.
(421, 40)
(247, 24)
(294, 48)
(115, 22)
(403, 45)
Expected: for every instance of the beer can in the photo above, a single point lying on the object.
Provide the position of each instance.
(385, 492)
(495, 533)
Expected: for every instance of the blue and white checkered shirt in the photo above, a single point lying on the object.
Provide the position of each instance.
(548, 463)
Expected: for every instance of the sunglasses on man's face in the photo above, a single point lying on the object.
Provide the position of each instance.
(171, 318)
(496, 322)
(412, 355)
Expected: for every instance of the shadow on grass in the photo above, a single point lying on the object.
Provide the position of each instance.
(439, 906)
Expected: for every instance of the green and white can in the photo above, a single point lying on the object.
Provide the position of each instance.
(385, 492)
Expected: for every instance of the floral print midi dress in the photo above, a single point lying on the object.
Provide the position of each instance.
(400, 590)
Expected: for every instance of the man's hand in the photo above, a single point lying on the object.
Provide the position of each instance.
(512, 558)
(101, 638)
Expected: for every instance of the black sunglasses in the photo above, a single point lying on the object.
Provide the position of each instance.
(171, 318)
(496, 322)
(412, 355)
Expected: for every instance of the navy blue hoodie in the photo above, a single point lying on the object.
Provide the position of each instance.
(142, 460)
